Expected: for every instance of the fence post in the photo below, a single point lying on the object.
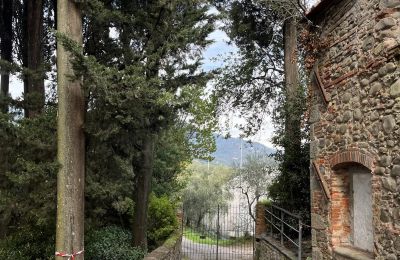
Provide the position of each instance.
(217, 230)
(300, 238)
(281, 215)
(271, 219)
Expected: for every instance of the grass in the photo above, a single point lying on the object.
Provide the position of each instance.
(207, 239)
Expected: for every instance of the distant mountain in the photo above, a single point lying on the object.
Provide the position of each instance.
(228, 150)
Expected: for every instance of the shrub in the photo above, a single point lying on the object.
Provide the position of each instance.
(28, 244)
(162, 220)
(111, 243)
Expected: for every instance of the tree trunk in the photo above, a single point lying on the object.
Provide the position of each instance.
(71, 141)
(5, 46)
(292, 142)
(143, 177)
(33, 57)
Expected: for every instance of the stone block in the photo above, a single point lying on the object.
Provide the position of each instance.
(389, 183)
(395, 171)
(389, 4)
(388, 124)
(385, 160)
(375, 88)
(395, 89)
(384, 217)
(315, 115)
(317, 221)
(385, 23)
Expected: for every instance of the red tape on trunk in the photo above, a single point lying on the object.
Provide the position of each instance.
(70, 256)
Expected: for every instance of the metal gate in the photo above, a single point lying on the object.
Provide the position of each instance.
(222, 233)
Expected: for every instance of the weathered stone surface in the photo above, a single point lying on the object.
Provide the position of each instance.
(379, 170)
(396, 161)
(342, 129)
(368, 43)
(390, 67)
(375, 88)
(317, 221)
(397, 242)
(347, 116)
(389, 3)
(395, 89)
(395, 170)
(389, 183)
(313, 149)
(384, 217)
(385, 23)
(315, 115)
(374, 116)
(388, 124)
(396, 214)
(363, 116)
(346, 97)
(385, 161)
(364, 82)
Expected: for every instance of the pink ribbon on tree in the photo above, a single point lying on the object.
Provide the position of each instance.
(70, 256)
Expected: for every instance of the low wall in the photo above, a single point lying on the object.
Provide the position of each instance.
(267, 248)
(170, 250)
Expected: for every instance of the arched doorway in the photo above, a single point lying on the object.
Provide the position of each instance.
(361, 208)
(351, 205)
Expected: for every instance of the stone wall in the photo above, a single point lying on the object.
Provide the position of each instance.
(266, 248)
(261, 225)
(354, 120)
(170, 250)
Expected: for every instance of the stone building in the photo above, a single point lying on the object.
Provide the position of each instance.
(355, 133)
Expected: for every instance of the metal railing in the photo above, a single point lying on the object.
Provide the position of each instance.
(284, 223)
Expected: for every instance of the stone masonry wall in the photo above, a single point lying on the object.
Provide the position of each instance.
(170, 250)
(355, 119)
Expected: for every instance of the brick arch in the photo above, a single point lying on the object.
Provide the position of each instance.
(352, 156)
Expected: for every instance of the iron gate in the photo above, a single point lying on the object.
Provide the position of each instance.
(222, 233)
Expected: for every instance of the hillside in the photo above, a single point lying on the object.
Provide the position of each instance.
(228, 150)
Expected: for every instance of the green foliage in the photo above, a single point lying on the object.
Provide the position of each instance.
(253, 77)
(253, 84)
(162, 219)
(205, 190)
(28, 170)
(291, 188)
(31, 243)
(254, 178)
(111, 243)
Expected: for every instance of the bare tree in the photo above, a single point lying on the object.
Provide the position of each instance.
(253, 178)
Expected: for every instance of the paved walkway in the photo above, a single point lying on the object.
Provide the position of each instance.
(195, 251)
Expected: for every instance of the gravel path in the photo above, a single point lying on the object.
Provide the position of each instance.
(195, 251)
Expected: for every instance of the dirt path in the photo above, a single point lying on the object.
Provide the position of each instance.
(195, 251)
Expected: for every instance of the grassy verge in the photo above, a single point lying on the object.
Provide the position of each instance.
(212, 240)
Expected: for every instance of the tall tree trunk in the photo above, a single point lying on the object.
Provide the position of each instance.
(142, 182)
(33, 58)
(71, 141)
(5, 46)
(292, 142)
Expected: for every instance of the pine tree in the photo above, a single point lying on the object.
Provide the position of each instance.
(6, 36)
(71, 141)
(265, 75)
(142, 80)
